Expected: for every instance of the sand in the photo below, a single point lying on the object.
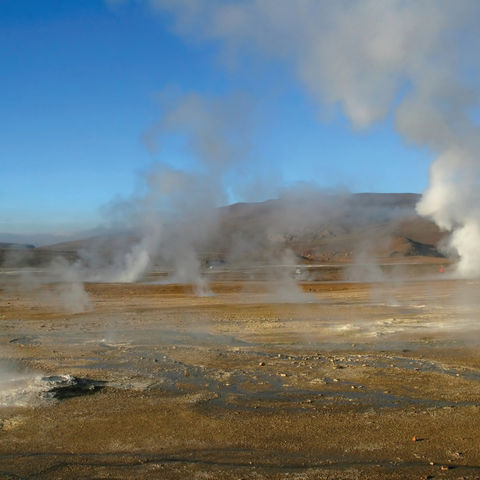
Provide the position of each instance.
(346, 381)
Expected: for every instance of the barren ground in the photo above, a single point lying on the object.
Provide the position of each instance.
(354, 381)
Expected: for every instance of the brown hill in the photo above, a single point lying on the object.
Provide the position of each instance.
(315, 227)
(330, 228)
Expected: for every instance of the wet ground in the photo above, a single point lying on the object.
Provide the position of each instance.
(345, 381)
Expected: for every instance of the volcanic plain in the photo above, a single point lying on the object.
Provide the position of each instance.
(339, 380)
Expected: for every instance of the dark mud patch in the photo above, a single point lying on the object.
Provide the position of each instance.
(67, 386)
(26, 341)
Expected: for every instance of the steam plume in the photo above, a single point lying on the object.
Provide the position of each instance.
(175, 211)
(414, 60)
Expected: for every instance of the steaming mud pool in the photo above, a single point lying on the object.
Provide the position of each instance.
(349, 381)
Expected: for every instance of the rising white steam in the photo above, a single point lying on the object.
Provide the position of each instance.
(415, 60)
(175, 212)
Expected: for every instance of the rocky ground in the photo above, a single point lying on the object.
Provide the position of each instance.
(256, 380)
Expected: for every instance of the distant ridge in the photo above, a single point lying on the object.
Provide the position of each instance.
(18, 246)
(316, 228)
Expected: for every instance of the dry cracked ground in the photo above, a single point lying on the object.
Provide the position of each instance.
(345, 381)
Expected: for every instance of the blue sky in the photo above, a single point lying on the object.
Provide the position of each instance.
(79, 83)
